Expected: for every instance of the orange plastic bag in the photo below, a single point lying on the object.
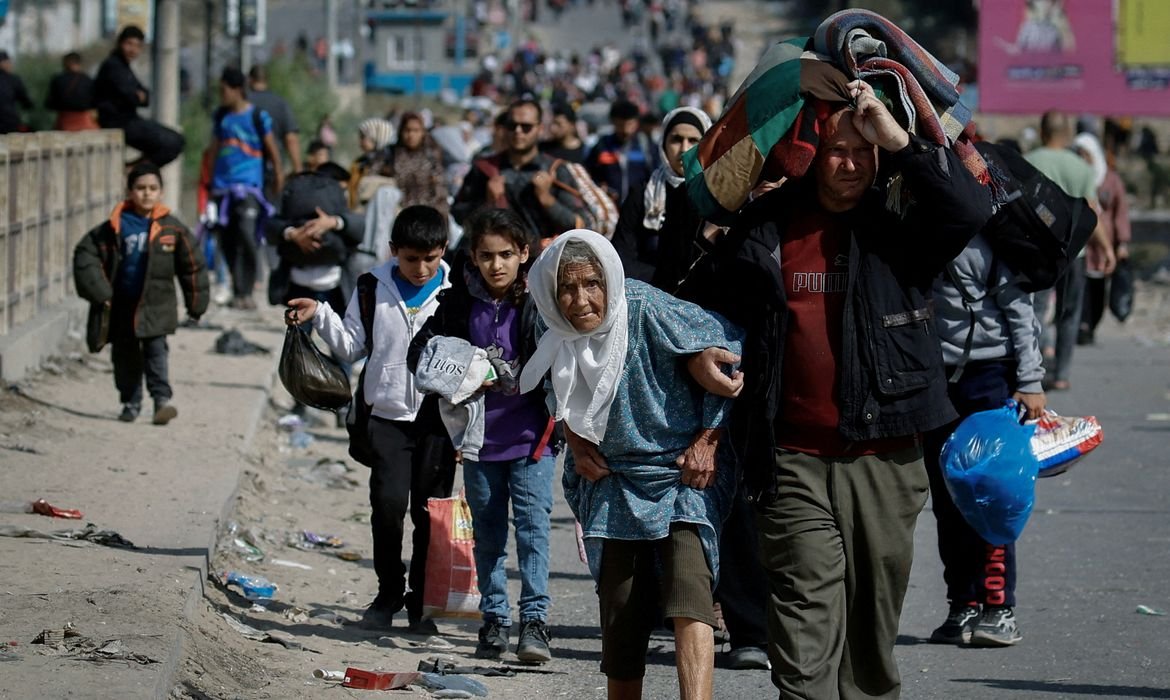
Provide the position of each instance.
(451, 589)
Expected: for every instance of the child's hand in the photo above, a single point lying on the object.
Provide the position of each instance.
(300, 311)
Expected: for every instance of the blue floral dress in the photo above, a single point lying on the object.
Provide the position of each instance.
(655, 415)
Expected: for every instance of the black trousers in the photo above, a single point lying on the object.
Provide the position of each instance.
(742, 592)
(415, 462)
(134, 357)
(157, 143)
(240, 248)
(974, 571)
(1093, 306)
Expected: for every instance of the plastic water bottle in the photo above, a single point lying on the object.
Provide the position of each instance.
(254, 587)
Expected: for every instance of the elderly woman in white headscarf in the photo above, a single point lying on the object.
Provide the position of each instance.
(648, 477)
(659, 228)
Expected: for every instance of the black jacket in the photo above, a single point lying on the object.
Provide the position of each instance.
(12, 96)
(171, 254)
(891, 376)
(70, 91)
(453, 318)
(115, 93)
(662, 258)
(568, 213)
(302, 195)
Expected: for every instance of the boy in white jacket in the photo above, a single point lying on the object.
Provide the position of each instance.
(413, 455)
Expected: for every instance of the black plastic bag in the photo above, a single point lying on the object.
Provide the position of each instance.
(312, 377)
(1121, 291)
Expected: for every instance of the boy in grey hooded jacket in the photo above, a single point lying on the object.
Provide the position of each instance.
(991, 348)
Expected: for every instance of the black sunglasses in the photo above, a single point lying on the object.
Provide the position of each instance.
(524, 128)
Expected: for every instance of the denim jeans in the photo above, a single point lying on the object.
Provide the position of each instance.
(489, 485)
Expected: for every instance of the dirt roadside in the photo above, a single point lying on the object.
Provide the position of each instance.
(162, 488)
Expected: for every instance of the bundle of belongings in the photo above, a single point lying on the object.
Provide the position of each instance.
(772, 125)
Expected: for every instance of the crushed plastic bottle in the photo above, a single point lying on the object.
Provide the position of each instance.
(435, 684)
(300, 439)
(253, 587)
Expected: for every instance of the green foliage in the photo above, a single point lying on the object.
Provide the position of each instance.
(307, 93)
(36, 70)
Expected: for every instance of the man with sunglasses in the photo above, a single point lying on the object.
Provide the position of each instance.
(522, 179)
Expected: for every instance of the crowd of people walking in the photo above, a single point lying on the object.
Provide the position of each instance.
(750, 408)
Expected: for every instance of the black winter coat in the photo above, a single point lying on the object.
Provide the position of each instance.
(303, 194)
(662, 258)
(115, 93)
(891, 376)
(171, 253)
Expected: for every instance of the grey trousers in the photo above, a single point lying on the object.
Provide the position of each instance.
(837, 544)
(1061, 333)
(134, 358)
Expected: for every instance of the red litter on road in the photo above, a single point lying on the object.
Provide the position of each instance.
(43, 507)
(370, 680)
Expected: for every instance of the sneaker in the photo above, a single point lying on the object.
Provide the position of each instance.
(164, 413)
(996, 628)
(747, 658)
(957, 628)
(377, 617)
(533, 645)
(129, 412)
(493, 640)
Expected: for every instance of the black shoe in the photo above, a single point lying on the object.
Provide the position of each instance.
(422, 625)
(129, 412)
(377, 617)
(747, 658)
(958, 626)
(996, 628)
(164, 413)
(533, 645)
(493, 640)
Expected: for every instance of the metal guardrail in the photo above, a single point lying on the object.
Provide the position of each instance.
(54, 187)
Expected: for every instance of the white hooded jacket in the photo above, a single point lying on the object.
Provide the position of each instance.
(390, 387)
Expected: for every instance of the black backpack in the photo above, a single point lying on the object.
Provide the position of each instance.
(1040, 229)
(357, 421)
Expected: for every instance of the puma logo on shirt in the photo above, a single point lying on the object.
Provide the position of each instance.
(819, 282)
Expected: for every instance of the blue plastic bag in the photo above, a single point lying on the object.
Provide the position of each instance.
(990, 472)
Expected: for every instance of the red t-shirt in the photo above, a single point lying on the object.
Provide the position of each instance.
(814, 264)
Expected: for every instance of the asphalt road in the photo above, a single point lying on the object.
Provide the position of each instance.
(1094, 550)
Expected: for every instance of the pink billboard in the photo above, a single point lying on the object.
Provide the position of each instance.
(1082, 56)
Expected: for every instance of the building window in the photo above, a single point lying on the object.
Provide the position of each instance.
(402, 51)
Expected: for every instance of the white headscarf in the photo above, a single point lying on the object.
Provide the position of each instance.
(664, 177)
(1089, 143)
(586, 367)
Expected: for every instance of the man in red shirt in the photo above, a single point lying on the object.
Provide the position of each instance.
(831, 279)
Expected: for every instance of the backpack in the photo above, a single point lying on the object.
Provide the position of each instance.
(357, 421)
(601, 207)
(1039, 230)
(257, 125)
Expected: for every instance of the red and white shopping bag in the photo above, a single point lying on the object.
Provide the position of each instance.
(451, 589)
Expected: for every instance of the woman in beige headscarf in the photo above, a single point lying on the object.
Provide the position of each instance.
(366, 174)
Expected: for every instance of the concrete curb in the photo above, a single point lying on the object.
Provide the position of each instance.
(24, 348)
(169, 672)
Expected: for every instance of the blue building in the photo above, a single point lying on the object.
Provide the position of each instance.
(419, 49)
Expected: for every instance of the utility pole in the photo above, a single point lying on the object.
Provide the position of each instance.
(331, 40)
(166, 84)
